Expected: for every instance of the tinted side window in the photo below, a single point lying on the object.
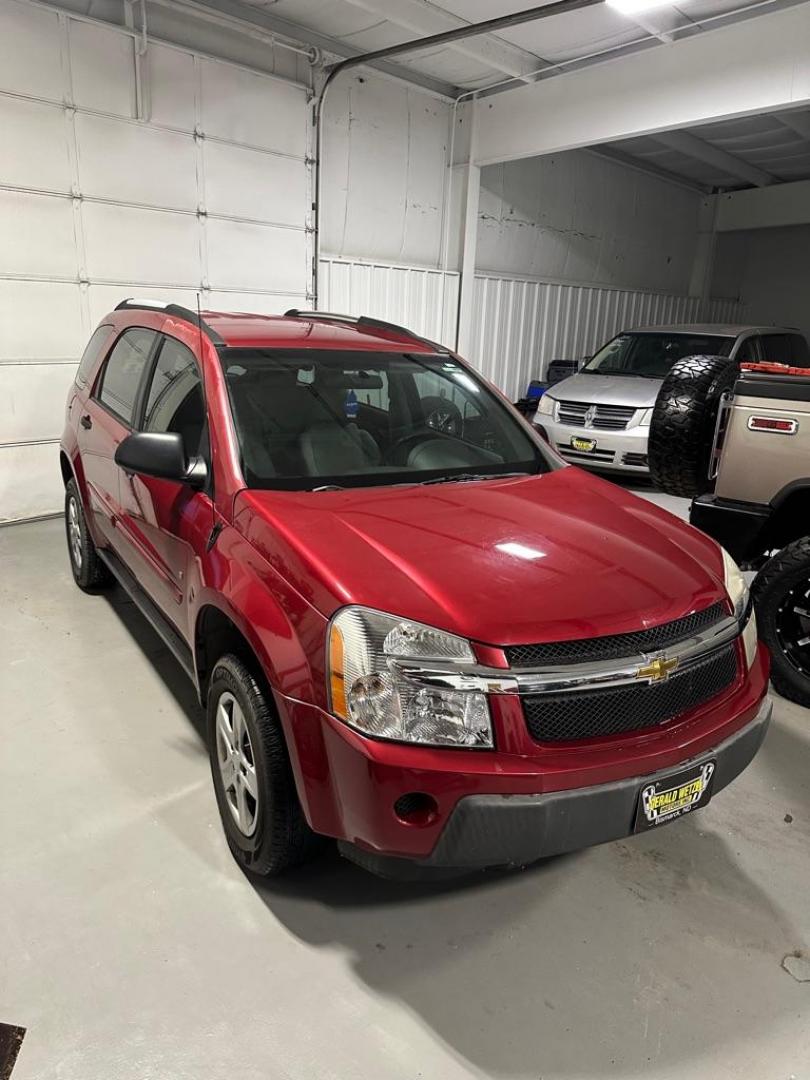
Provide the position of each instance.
(800, 351)
(747, 352)
(92, 352)
(776, 348)
(123, 371)
(175, 399)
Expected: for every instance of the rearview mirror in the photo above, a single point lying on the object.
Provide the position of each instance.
(160, 454)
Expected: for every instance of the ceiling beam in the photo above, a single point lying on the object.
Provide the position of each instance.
(796, 121)
(639, 164)
(425, 19)
(692, 146)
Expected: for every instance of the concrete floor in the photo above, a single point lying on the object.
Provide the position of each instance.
(132, 947)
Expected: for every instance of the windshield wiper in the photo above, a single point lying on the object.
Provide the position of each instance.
(462, 478)
(328, 487)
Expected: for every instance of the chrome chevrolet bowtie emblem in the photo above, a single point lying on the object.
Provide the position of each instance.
(659, 669)
(590, 415)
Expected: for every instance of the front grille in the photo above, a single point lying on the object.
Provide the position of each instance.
(584, 414)
(617, 710)
(585, 455)
(614, 646)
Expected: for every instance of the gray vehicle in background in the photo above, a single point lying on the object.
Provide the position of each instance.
(600, 417)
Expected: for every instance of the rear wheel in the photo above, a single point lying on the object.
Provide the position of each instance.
(258, 804)
(782, 597)
(89, 572)
(683, 423)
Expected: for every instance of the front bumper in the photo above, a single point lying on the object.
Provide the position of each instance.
(622, 451)
(514, 830)
(741, 528)
(349, 785)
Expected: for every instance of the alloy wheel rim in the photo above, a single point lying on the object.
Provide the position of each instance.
(74, 534)
(237, 766)
(793, 627)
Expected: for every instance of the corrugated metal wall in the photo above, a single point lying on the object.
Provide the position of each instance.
(522, 325)
(424, 300)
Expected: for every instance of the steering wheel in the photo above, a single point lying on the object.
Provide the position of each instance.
(395, 455)
(442, 415)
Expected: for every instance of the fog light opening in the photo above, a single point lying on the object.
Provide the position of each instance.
(416, 808)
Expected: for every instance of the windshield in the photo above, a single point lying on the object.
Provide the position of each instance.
(652, 355)
(313, 419)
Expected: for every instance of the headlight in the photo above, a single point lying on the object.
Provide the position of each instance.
(735, 585)
(369, 689)
(646, 418)
(546, 406)
(738, 594)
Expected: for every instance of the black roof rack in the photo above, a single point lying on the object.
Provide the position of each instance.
(364, 321)
(175, 310)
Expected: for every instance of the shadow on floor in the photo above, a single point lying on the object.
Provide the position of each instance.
(632, 957)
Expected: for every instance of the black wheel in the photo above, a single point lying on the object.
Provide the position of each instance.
(782, 597)
(683, 423)
(89, 572)
(262, 817)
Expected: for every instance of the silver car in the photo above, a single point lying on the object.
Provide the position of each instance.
(600, 417)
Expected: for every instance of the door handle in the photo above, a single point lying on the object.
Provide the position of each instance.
(86, 421)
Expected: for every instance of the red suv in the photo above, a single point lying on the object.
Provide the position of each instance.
(414, 627)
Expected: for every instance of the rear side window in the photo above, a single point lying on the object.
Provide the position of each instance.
(123, 371)
(800, 350)
(91, 354)
(776, 348)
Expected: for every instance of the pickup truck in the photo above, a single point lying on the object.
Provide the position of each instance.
(739, 443)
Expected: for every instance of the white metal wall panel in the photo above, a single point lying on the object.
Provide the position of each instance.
(422, 299)
(30, 52)
(254, 185)
(35, 145)
(121, 162)
(206, 191)
(102, 69)
(522, 325)
(245, 107)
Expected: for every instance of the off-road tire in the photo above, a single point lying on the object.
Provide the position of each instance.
(683, 423)
(782, 573)
(282, 838)
(89, 572)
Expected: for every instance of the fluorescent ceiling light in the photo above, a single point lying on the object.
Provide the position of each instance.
(635, 7)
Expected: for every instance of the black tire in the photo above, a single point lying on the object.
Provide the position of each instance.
(683, 423)
(280, 837)
(89, 572)
(782, 585)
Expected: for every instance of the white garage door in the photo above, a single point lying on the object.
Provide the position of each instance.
(210, 193)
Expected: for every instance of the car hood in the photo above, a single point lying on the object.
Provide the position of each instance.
(608, 390)
(543, 558)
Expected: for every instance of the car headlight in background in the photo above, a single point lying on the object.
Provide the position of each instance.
(740, 597)
(369, 688)
(546, 406)
(646, 418)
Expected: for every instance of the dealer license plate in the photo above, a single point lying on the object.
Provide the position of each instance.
(662, 801)
(585, 446)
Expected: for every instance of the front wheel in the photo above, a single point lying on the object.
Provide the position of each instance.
(258, 804)
(782, 597)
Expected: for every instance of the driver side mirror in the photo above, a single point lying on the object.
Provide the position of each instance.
(160, 454)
